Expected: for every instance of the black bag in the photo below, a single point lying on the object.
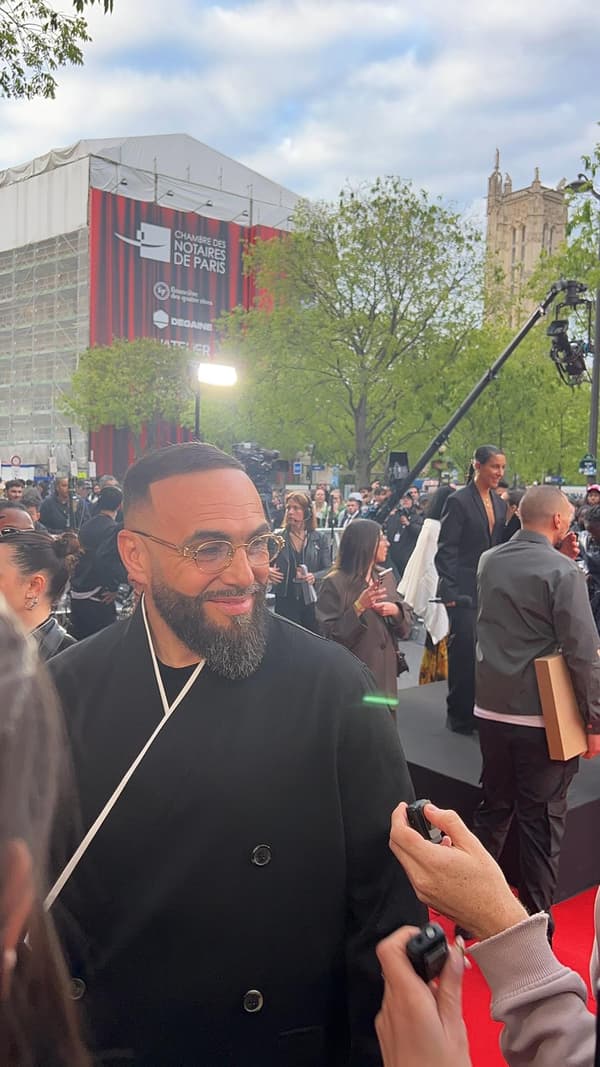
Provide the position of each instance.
(401, 663)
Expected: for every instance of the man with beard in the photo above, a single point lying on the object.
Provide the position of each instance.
(225, 902)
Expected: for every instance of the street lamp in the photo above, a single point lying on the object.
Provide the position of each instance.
(583, 184)
(211, 374)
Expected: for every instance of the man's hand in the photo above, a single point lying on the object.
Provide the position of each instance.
(109, 598)
(569, 546)
(420, 1025)
(593, 749)
(458, 878)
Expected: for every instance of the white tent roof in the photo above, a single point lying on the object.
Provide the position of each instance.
(48, 195)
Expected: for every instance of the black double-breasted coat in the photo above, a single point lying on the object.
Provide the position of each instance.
(228, 910)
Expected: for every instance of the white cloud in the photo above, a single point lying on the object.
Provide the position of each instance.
(312, 92)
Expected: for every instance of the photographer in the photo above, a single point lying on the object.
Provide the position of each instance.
(541, 1003)
(403, 527)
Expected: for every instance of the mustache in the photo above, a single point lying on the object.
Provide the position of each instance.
(231, 592)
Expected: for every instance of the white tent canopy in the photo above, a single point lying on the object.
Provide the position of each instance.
(48, 196)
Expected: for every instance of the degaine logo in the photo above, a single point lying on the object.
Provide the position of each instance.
(154, 242)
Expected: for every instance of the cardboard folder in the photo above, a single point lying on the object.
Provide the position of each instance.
(565, 730)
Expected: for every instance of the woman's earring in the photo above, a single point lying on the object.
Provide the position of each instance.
(31, 601)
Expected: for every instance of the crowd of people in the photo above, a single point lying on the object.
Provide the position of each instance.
(206, 800)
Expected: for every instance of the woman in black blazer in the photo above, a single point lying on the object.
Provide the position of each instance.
(473, 520)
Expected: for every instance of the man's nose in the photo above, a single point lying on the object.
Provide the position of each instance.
(239, 572)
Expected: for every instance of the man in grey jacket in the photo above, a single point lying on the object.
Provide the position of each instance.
(532, 602)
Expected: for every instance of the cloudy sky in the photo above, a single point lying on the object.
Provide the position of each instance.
(314, 92)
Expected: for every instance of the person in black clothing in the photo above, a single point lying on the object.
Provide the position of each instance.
(58, 511)
(473, 520)
(589, 548)
(304, 558)
(92, 603)
(403, 527)
(34, 570)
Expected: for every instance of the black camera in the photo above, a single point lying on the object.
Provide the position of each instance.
(428, 951)
(417, 819)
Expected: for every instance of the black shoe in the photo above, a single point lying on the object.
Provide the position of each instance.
(466, 729)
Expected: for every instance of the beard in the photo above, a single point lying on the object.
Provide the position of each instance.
(234, 651)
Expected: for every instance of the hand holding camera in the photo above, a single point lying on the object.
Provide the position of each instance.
(457, 877)
(417, 1025)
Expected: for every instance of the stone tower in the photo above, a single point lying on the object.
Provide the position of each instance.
(520, 225)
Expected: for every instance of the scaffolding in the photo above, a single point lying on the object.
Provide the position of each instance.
(44, 327)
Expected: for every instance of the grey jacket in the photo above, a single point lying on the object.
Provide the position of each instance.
(532, 602)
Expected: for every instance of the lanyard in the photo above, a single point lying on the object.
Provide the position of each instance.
(168, 710)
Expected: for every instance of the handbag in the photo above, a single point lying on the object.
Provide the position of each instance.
(401, 663)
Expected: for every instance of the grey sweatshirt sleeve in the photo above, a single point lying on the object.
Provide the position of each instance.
(541, 1003)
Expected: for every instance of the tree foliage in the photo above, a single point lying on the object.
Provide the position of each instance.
(36, 40)
(367, 299)
(129, 384)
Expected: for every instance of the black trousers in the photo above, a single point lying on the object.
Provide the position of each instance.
(461, 668)
(520, 781)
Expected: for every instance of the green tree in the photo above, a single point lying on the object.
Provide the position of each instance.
(129, 384)
(35, 40)
(367, 298)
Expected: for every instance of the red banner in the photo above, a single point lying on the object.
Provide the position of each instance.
(157, 272)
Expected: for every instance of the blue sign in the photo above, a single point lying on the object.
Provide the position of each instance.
(318, 467)
(297, 468)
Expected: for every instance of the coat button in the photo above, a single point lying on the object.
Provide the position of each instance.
(261, 855)
(253, 1001)
(77, 988)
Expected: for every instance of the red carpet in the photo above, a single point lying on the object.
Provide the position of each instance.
(573, 939)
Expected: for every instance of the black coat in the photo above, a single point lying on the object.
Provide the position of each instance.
(464, 535)
(248, 852)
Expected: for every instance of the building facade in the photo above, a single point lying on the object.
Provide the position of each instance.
(122, 238)
(521, 224)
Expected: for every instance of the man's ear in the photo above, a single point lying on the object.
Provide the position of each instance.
(16, 903)
(134, 556)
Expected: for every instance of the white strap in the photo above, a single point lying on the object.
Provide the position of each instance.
(64, 876)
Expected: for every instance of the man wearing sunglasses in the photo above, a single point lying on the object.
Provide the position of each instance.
(236, 789)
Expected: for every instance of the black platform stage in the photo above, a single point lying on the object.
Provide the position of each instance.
(445, 767)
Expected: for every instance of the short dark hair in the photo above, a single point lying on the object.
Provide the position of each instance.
(593, 516)
(14, 482)
(190, 458)
(110, 498)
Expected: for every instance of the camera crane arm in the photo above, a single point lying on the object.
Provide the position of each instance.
(572, 289)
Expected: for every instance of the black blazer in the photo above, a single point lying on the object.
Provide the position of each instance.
(464, 535)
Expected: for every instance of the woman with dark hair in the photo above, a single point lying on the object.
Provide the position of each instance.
(37, 1022)
(473, 520)
(34, 570)
(359, 607)
(304, 558)
(418, 586)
